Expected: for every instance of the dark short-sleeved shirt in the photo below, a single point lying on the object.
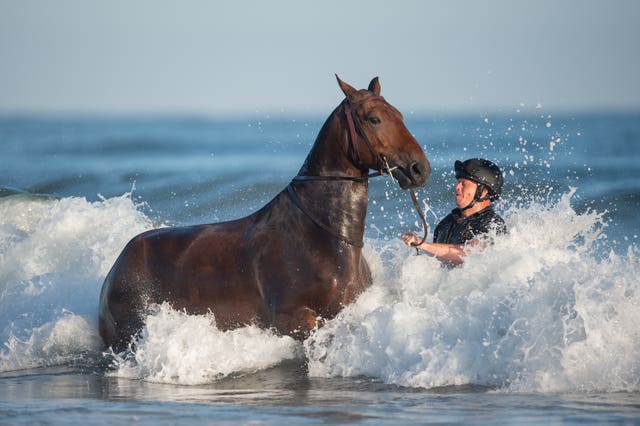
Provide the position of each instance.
(456, 229)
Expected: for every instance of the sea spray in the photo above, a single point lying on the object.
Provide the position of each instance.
(67, 338)
(545, 308)
(608, 301)
(175, 347)
(542, 309)
(54, 254)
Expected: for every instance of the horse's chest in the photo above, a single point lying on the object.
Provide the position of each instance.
(341, 283)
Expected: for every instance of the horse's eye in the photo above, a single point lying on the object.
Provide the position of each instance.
(373, 119)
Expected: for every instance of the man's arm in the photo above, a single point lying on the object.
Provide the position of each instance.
(453, 253)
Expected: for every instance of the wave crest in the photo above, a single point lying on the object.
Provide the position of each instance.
(543, 309)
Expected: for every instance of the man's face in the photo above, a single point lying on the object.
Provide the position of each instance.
(465, 191)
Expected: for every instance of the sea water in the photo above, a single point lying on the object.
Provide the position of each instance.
(541, 326)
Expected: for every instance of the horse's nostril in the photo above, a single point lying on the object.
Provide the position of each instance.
(417, 169)
(419, 172)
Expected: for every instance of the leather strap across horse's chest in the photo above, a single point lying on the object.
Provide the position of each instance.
(296, 201)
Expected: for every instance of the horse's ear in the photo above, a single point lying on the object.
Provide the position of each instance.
(348, 91)
(374, 86)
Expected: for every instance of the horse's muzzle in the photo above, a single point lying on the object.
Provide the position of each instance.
(414, 176)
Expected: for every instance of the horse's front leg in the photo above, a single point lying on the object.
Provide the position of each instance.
(299, 324)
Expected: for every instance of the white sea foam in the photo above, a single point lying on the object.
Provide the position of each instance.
(543, 309)
(54, 254)
(189, 349)
(540, 310)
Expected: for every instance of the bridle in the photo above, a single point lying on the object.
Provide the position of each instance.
(382, 168)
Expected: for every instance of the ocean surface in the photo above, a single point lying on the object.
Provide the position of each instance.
(540, 328)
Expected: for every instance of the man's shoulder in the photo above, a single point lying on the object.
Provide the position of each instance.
(446, 223)
(451, 217)
(488, 218)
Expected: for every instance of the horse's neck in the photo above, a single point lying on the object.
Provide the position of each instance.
(329, 155)
(341, 204)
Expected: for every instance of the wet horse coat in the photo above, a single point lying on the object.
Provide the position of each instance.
(296, 260)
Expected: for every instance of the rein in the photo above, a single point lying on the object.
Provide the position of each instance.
(424, 221)
(382, 168)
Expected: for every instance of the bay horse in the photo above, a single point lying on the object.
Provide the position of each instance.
(291, 264)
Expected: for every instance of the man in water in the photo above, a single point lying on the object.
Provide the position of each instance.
(479, 185)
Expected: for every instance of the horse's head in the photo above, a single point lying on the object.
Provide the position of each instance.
(379, 139)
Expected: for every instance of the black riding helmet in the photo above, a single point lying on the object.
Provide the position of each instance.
(483, 172)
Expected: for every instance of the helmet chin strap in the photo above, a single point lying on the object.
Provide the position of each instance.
(476, 198)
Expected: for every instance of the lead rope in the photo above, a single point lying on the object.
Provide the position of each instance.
(424, 221)
(416, 205)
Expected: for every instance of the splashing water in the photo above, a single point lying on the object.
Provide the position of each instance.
(546, 308)
(540, 310)
(54, 254)
(189, 349)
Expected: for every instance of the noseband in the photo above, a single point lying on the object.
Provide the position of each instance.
(382, 167)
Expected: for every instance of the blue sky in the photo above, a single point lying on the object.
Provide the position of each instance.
(236, 57)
